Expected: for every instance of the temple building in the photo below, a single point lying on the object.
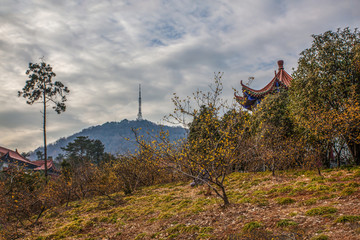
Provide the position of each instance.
(9, 158)
(252, 97)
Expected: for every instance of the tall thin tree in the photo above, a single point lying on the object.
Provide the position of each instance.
(40, 88)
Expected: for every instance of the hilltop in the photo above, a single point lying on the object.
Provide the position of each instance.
(113, 135)
(293, 205)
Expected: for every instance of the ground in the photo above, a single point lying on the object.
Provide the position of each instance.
(292, 205)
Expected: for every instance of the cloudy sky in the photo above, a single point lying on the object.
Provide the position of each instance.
(102, 50)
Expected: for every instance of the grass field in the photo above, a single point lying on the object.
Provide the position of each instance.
(292, 205)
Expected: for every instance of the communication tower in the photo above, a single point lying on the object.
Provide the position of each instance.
(139, 116)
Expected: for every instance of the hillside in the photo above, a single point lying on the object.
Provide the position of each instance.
(293, 205)
(113, 135)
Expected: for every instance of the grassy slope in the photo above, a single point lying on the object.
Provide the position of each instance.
(293, 205)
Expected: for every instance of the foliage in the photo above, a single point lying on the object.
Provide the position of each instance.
(22, 195)
(276, 143)
(135, 171)
(325, 91)
(40, 87)
(114, 136)
(321, 211)
(320, 237)
(175, 208)
(251, 226)
(39, 155)
(348, 218)
(285, 200)
(83, 149)
(215, 144)
(286, 223)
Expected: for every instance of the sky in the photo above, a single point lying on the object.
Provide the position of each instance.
(102, 51)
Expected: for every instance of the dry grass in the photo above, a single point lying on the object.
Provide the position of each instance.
(293, 205)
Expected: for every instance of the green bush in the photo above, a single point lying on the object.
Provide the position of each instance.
(347, 191)
(308, 202)
(286, 223)
(249, 227)
(285, 201)
(321, 211)
(320, 237)
(347, 218)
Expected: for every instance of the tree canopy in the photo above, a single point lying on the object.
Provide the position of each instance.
(40, 87)
(326, 86)
(84, 149)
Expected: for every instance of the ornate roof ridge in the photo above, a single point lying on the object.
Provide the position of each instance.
(282, 77)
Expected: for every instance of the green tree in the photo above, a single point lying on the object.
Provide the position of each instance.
(39, 155)
(272, 133)
(83, 149)
(215, 144)
(41, 88)
(205, 125)
(325, 81)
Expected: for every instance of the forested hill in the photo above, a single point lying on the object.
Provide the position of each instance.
(113, 135)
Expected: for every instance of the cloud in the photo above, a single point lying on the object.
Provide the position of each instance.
(102, 50)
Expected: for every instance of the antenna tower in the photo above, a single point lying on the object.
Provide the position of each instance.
(139, 116)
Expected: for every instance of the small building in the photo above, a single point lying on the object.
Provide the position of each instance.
(9, 158)
(251, 97)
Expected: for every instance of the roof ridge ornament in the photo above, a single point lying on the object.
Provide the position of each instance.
(281, 64)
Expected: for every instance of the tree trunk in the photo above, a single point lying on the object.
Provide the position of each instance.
(319, 171)
(44, 129)
(224, 197)
(325, 159)
(355, 151)
(273, 167)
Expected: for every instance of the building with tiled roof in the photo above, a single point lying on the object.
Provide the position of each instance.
(252, 97)
(10, 158)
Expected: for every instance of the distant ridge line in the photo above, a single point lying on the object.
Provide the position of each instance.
(113, 135)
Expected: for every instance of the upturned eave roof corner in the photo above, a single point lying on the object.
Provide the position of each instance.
(281, 77)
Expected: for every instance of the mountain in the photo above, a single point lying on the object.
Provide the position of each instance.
(113, 135)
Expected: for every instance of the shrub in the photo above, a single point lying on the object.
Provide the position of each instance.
(321, 211)
(308, 202)
(285, 200)
(285, 189)
(347, 191)
(249, 227)
(206, 230)
(286, 223)
(347, 218)
(140, 236)
(320, 237)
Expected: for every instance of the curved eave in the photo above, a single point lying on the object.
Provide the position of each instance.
(282, 77)
(246, 103)
(239, 98)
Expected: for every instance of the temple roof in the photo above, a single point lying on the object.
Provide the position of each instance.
(41, 164)
(14, 155)
(281, 78)
(7, 154)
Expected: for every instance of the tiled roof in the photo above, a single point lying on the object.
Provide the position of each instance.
(38, 162)
(41, 164)
(281, 78)
(14, 155)
(35, 165)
